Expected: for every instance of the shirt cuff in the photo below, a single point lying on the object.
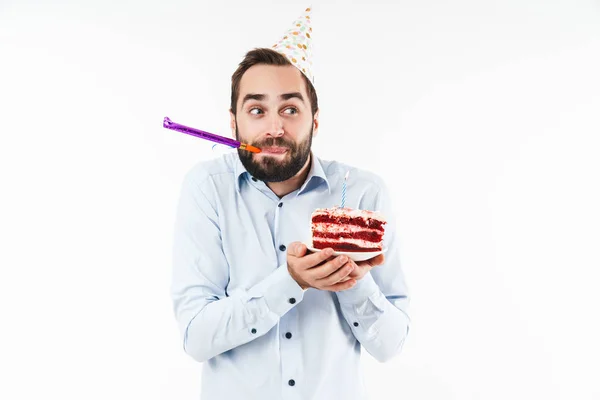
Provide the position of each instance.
(364, 288)
(280, 291)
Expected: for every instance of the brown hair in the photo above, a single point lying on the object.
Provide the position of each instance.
(267, 57)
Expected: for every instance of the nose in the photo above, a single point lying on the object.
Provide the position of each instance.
(276, 126)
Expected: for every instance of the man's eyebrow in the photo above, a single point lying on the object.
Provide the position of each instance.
(253, 96)
(287, 96)
(260, 97)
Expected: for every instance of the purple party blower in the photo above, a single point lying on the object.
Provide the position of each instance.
(167, 123)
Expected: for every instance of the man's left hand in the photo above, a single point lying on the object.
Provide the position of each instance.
(362, 267)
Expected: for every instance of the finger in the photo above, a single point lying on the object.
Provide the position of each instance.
(337, 276)
(326, 269)
(316, 258)
(338, 287)
(297, 249)
(373, 261)
(377, 260)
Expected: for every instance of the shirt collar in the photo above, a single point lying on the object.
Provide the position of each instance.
(316, 174)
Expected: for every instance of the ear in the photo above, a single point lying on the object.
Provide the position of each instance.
(232, 123)
(316, 123)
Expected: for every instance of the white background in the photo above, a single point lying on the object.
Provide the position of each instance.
(482, 116)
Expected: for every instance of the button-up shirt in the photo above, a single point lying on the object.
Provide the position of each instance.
(240, 313)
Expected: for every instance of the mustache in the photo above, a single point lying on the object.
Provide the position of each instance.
(275, 142)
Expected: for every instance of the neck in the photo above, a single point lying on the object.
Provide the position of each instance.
(294, 183)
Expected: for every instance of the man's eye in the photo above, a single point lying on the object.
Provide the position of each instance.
(294, 109)
(255, 109)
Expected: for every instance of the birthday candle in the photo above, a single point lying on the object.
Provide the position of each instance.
(344, 189)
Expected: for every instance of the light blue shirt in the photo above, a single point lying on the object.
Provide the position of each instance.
(259, 335)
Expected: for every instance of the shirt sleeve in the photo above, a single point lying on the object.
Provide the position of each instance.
(212, 321)
(376, 308)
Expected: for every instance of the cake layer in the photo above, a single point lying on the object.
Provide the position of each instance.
(343, 246)
(337, 228)
(362, 222)
(356, 242)
(348, 216)
(349, 212)
(371, 236)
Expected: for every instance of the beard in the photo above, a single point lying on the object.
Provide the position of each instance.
(270, 169)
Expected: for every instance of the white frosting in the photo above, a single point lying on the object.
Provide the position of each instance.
(358, 242)
(336, 228)
(349, 212)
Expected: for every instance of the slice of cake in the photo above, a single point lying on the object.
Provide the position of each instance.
(346, 229)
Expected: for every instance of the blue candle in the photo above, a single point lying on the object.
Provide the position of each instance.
(344, 189)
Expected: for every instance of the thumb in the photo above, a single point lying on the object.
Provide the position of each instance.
(298, 249)
(377, 260)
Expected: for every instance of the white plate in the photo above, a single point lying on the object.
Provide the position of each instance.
(353, 255)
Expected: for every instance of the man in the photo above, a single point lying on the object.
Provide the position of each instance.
(269, 319)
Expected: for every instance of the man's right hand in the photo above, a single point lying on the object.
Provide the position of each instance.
(312, 271)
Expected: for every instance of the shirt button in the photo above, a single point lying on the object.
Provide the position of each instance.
(288, 335)
(282, 248)
(291, 382)
(253, 330)
(254, 179)
(280, 205)
(356, 324)
(292, 300)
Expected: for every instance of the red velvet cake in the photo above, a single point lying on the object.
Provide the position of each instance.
(346, 229)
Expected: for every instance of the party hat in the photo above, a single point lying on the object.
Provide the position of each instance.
(296, 45)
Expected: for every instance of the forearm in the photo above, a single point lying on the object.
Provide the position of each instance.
(212, 326)
(378, 323)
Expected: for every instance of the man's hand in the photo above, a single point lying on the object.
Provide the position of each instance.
(305, 269)
(362, 267)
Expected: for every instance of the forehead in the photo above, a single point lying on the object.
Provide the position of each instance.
(272, 80)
